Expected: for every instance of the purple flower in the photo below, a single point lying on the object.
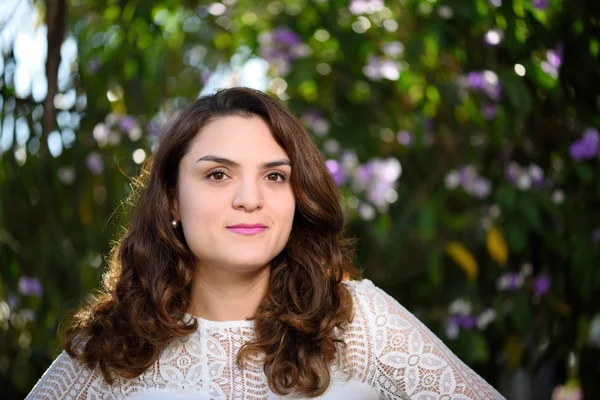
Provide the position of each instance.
(127, 123)
(467, 175)
(541, 284)
(315, 121)
(377, 192)
(512, 172)
(455, 319)
(480, 188)
(537, 175)
(466, 322)
(493, 91)
(286, 37)
(555, 57)
(373, 67)
(336, 172)
(486, 82)
(358, 7)
(475, 80)
(540, 4)
(452, 330)
(490, 111)
(549, 69)
(154, 129)
(404, 138)
(363, 176)
(514, 281)
(587, 147)
(30, 286)
(510, 281)
(94, 163)
(281, 46)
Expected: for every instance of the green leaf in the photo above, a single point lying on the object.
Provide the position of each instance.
(506, 195)
(521, 313)
(584, 172)
(518, 95)
(530, 211)
(585, 277)
(427, 221)
(111, 13)
(435, 267)
(480, 348)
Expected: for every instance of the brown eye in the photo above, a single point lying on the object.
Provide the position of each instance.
(216, 176)
(274, 177)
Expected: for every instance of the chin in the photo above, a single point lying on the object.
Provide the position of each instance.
(248, 263)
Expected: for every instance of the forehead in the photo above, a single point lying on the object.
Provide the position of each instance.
(237, 137)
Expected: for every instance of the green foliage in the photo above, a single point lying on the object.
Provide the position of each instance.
(439, 136)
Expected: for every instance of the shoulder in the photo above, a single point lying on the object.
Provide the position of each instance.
(372, 300)
(388, 322)
(408, 359)
(380, 313)
(66, 376)
(362, 287)
(365, 288)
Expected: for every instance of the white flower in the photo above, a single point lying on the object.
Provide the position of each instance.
(557, 196)
(452, 179)
(486, 318)
(460, 307)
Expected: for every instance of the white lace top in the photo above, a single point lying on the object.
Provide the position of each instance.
(390, 355)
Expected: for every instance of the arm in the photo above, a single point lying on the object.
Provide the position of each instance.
(66, 378)
(409, 360)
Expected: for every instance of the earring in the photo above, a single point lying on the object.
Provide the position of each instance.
(175, 223)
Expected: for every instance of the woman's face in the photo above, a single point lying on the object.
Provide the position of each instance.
(234, 197)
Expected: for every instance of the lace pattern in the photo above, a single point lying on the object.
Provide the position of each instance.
(388, 350)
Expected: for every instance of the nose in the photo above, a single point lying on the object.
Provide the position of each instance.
(248, 195)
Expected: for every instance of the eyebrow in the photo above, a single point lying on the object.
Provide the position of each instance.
(233, 164)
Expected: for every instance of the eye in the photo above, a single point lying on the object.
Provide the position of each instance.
(276, 177)
(217, 176)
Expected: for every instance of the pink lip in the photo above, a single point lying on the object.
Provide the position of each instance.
(247, 229)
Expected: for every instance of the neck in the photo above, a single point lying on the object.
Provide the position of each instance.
(221, 295)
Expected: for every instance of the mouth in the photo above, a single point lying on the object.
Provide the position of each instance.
(247, 229)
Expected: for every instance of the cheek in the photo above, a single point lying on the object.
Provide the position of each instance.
(285, 207)
(199, 207)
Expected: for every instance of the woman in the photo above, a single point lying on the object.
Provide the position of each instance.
(233, 281)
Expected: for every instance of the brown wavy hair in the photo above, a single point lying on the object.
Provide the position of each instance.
(146, 291)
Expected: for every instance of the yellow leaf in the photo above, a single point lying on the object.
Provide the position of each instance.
(463, 257)
(496, 245)
(513, 351)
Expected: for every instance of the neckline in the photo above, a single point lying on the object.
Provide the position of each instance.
(240, 323)
(202, 322)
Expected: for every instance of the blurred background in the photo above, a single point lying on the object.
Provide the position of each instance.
(463, 135)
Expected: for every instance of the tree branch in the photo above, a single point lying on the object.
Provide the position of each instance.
(56, 12)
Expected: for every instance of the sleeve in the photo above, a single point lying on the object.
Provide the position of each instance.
(68, 379)
(408, 360)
